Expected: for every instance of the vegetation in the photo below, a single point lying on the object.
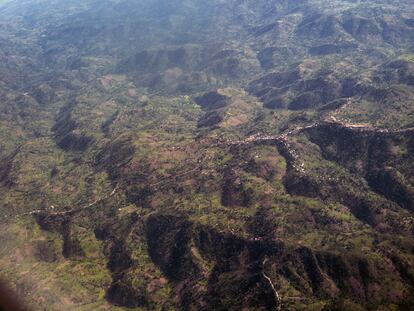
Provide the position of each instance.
(151, 159)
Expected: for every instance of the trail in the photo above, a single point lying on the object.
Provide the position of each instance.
(277, 296)
(175, 176)
(280, 139)
(255, 138)
(74, 210)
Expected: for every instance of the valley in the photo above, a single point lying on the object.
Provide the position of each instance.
(221, 155)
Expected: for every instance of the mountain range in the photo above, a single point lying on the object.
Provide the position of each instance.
(207, 155)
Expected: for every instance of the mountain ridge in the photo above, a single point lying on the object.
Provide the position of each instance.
(222, 155)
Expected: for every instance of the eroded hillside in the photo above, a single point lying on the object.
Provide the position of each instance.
(193, 155)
